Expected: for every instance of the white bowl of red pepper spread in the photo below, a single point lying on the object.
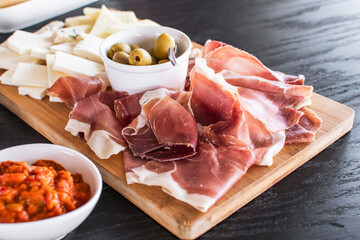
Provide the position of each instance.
(46, 191)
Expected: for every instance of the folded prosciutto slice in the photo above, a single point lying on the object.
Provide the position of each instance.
(220, 56)
(94, 118)
(70, 89)
(164, 130)
(199, 180)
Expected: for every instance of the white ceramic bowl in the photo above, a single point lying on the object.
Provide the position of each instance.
(55, 227)
(135, 79)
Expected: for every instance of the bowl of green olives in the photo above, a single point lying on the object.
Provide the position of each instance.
(136, 59)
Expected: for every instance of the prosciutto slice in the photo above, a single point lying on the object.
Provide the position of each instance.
(164, 131)
(226, 57)
(199, 180)
(70, 89)
(94, 119)
(305, 129)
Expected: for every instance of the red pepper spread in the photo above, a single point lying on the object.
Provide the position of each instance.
(38, 191)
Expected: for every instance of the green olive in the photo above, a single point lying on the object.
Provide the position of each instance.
(121, 57)
(153, 60)
(163, 61)
(134, 46)
(140, 57)
(118, 47)
(151, 51)
(162, 45)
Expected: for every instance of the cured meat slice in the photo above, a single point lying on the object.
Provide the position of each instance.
(213, 98)
(276, 111)
(71, 89)
(210, 46)
(305, 129)
(94, 118)
(128, 108)
(262, 84)
(238, 61)
(199, 180)
(164, 131)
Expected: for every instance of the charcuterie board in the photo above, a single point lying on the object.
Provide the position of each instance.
(49, 119)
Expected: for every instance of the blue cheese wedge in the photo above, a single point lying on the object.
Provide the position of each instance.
(22, 42)
(27, 74)
(7, 78)
(34, 92)
(89, 48)
(9, 59)
(75, 65)
(70, 34)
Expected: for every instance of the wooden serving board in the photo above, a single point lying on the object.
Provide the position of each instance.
(184, 221)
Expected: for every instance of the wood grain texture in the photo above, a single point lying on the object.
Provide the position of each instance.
(320, 39)
(182, 220)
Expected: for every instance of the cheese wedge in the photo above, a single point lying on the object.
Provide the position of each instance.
(22, 42)
(123, 16)
(63, 47)
(70, 34)
(39, 52)
(74, 65)
(7, 78)
(104, 21)
(9, 59)
(34, 92)
(89, 48)
(52, 74)
(142, 23)
(28, 74)
(79, 20)
(86, 27)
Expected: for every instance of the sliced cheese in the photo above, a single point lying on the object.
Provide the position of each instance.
(39, 52)
(70, 34)
(50, 27)
(79, 20)
(28, 74)
(63, 47)
(7, 78)
(123, 16)
(22, 42)
(34, 92)
(71, 64)
(86, 27)
(115, 28)
(9, 59)
(89, 48)
(52, 74)
(104, 21)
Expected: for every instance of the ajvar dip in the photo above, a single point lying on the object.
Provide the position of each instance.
(38, 191)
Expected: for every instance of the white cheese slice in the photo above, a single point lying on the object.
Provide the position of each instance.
(28, 74)
(7, 78)
(115, 28)
(124, 16)
(39, 52)
(22, 42)
(86, 27)
(63, 47)
(79, 20)
(50, 27)
(74, 65)
(9, 59)
(34, 92)
(52, 74)
(89, 48)
(104, 21)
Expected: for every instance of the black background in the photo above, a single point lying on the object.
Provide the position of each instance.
(320, 39)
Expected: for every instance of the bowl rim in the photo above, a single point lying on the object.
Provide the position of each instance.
(148, 68)
(63, 217)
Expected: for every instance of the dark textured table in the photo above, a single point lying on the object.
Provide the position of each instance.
(320, 39)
